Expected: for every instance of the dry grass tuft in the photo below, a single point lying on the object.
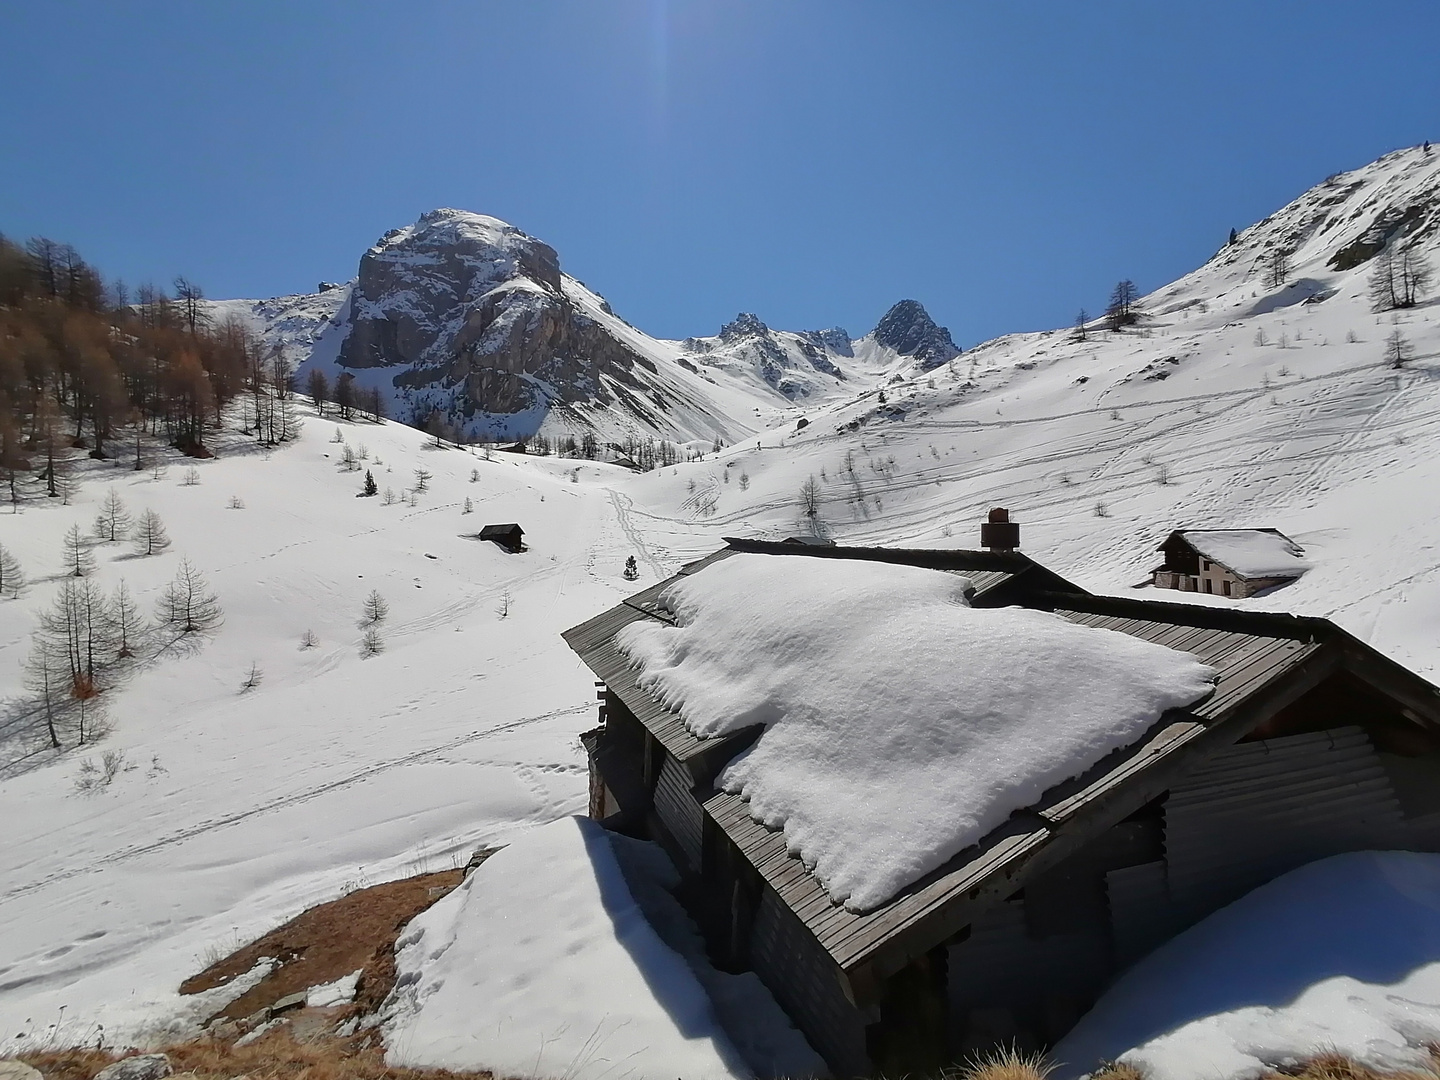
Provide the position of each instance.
(274, 1056)
(1117, 1070)
(1006, 1065)
(1332, 1065)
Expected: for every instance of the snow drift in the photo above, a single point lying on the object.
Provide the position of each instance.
(542, 964)
(901, 723)
(1343, 954)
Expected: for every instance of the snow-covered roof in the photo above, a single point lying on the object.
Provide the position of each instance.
(901, 724)
(1250, 553)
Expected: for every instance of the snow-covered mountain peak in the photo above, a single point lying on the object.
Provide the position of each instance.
(746, 324)
(492, 249)
(466, 315)
(907, 330)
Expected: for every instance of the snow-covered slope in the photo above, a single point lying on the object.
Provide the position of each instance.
(233, 811)
(1231, 404)
(467, 315)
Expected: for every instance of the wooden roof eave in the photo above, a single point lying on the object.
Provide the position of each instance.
(1418, 698)
(1110, 792)
(594, 642)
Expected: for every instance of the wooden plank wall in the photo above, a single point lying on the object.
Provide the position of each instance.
(1257, 810)
(679, 811)
(806, 983)
(1251, 812)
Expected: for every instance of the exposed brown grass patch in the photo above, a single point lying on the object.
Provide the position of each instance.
(274, 1056)
(330, 941)
(1334, 1066)
(1006, 1065)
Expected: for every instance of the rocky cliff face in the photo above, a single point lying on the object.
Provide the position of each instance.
(795, 365)
(478, 313)
(908, 330)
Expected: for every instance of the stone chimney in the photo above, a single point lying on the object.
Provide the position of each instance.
(999, 533)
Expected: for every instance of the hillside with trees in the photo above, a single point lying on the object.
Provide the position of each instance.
(86, 365)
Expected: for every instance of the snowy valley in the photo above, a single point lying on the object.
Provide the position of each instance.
(1261, 390)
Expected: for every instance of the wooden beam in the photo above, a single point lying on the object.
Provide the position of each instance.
(1399, 683)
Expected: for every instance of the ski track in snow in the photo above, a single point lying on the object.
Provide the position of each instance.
(299, 797)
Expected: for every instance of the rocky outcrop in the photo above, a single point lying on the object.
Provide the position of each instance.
(787, 362)
(908, 329)
(141, 1067)
(479, 312)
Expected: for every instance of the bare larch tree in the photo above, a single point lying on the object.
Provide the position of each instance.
(187, 606)
(113, 522)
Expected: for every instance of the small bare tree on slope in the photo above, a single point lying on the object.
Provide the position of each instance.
(187, 606)
(1277, 267)
(113, 522)
(810, 498)
(1399, 277)
(1397, 349)
(375, 609)
(47, 679)
(79, 561)
(1121, 309)
(76, 630)
(150, 536)
(127, 627)
(12, 578)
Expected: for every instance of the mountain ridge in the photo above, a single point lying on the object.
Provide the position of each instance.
(469, 316)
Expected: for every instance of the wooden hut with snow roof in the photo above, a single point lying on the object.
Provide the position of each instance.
(1309, 744)
(509, 536)
(1228, 562)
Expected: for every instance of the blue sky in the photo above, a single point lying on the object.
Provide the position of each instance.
(1003, 163)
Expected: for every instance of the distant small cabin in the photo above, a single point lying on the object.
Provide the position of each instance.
(510, 537)
(1228, 562)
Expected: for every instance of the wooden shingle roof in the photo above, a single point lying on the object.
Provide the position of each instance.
(1264, 662)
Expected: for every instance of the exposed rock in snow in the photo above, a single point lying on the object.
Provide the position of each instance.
(794, 364)
(908, 330)
(142, 1067)
(475, 309)
(339, 992)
